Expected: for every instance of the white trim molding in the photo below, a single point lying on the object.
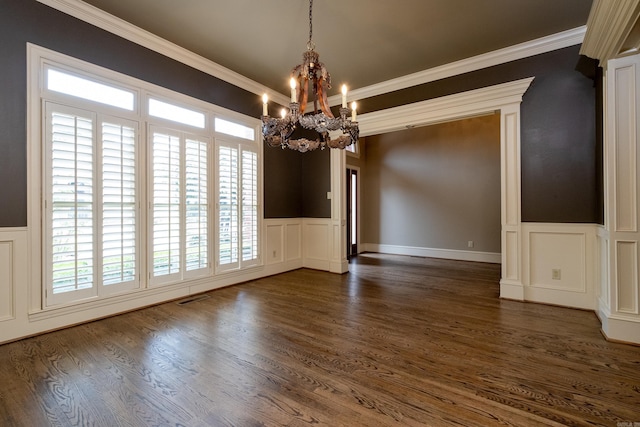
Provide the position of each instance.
(488, 257)
(446, 108)
(501, 56)
(504, 99)
(608, 28)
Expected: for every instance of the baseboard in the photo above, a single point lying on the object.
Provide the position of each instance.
(490, 257)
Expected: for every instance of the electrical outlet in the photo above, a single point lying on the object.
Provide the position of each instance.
(470, 244)
(555, 274)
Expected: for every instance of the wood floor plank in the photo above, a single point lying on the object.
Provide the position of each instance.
(396, 341)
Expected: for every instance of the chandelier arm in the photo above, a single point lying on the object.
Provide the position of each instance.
(303, 93)
(322, 98)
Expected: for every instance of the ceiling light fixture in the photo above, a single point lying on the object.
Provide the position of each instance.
(278, 131)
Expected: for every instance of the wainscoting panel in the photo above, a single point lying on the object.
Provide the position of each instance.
(626, 212)
(14, 281)
(511, 158)
(603, 269)
(316, 239)
(510, 269)
(627, 277)
(560, 264)
(283, 244)
(293, 241)
(7, 284)
(274, 247)
(553, 251)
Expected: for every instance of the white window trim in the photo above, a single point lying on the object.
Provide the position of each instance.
(37, 59)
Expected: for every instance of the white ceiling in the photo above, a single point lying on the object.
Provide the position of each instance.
(361, 42)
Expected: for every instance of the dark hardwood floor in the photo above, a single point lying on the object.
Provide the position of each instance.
(397, 341)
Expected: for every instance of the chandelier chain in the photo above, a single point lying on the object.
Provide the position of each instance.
(310, 21)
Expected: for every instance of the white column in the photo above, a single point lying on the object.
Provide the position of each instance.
(619, 302)
(511, 285)
(338, 240)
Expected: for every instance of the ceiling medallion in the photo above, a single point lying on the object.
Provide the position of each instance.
(278, 131)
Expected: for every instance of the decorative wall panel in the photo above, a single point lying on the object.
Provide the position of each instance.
(7, 284)
(627, 277)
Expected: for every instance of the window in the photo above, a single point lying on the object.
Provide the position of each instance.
(90, 204)
(175, 113)
(128, 173)
(234, 129)
(80, 87)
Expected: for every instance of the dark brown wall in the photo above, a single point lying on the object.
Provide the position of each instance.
(23, 21)
(561, 154)
(282, 183)
(316, 178)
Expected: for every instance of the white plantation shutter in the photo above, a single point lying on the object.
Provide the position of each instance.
(228, 201)
(197, 205)
(166, 204)
(90, 221)
(119, 204)
(70, 193)
(180, 207)
(249, 206)
(238, 209)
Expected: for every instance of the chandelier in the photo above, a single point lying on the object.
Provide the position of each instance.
(310, 74)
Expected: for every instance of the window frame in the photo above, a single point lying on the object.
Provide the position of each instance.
(38, 61)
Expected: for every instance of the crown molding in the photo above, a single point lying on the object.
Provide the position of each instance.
(101, 19)
(461, 105)
(128, 31)
(497, 57)
(608, 26)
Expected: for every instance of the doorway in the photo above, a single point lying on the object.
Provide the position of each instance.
(353, 196)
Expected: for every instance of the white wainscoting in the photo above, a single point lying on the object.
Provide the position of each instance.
(317, 238)
(13, 273)
(490, 257)
(283, 244)
(569, 250)
(13, 280)
(301, 242)
(21, 314)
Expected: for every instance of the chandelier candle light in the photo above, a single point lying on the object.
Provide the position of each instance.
(277, 132)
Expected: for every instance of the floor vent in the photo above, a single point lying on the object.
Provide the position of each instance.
(192, 299)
